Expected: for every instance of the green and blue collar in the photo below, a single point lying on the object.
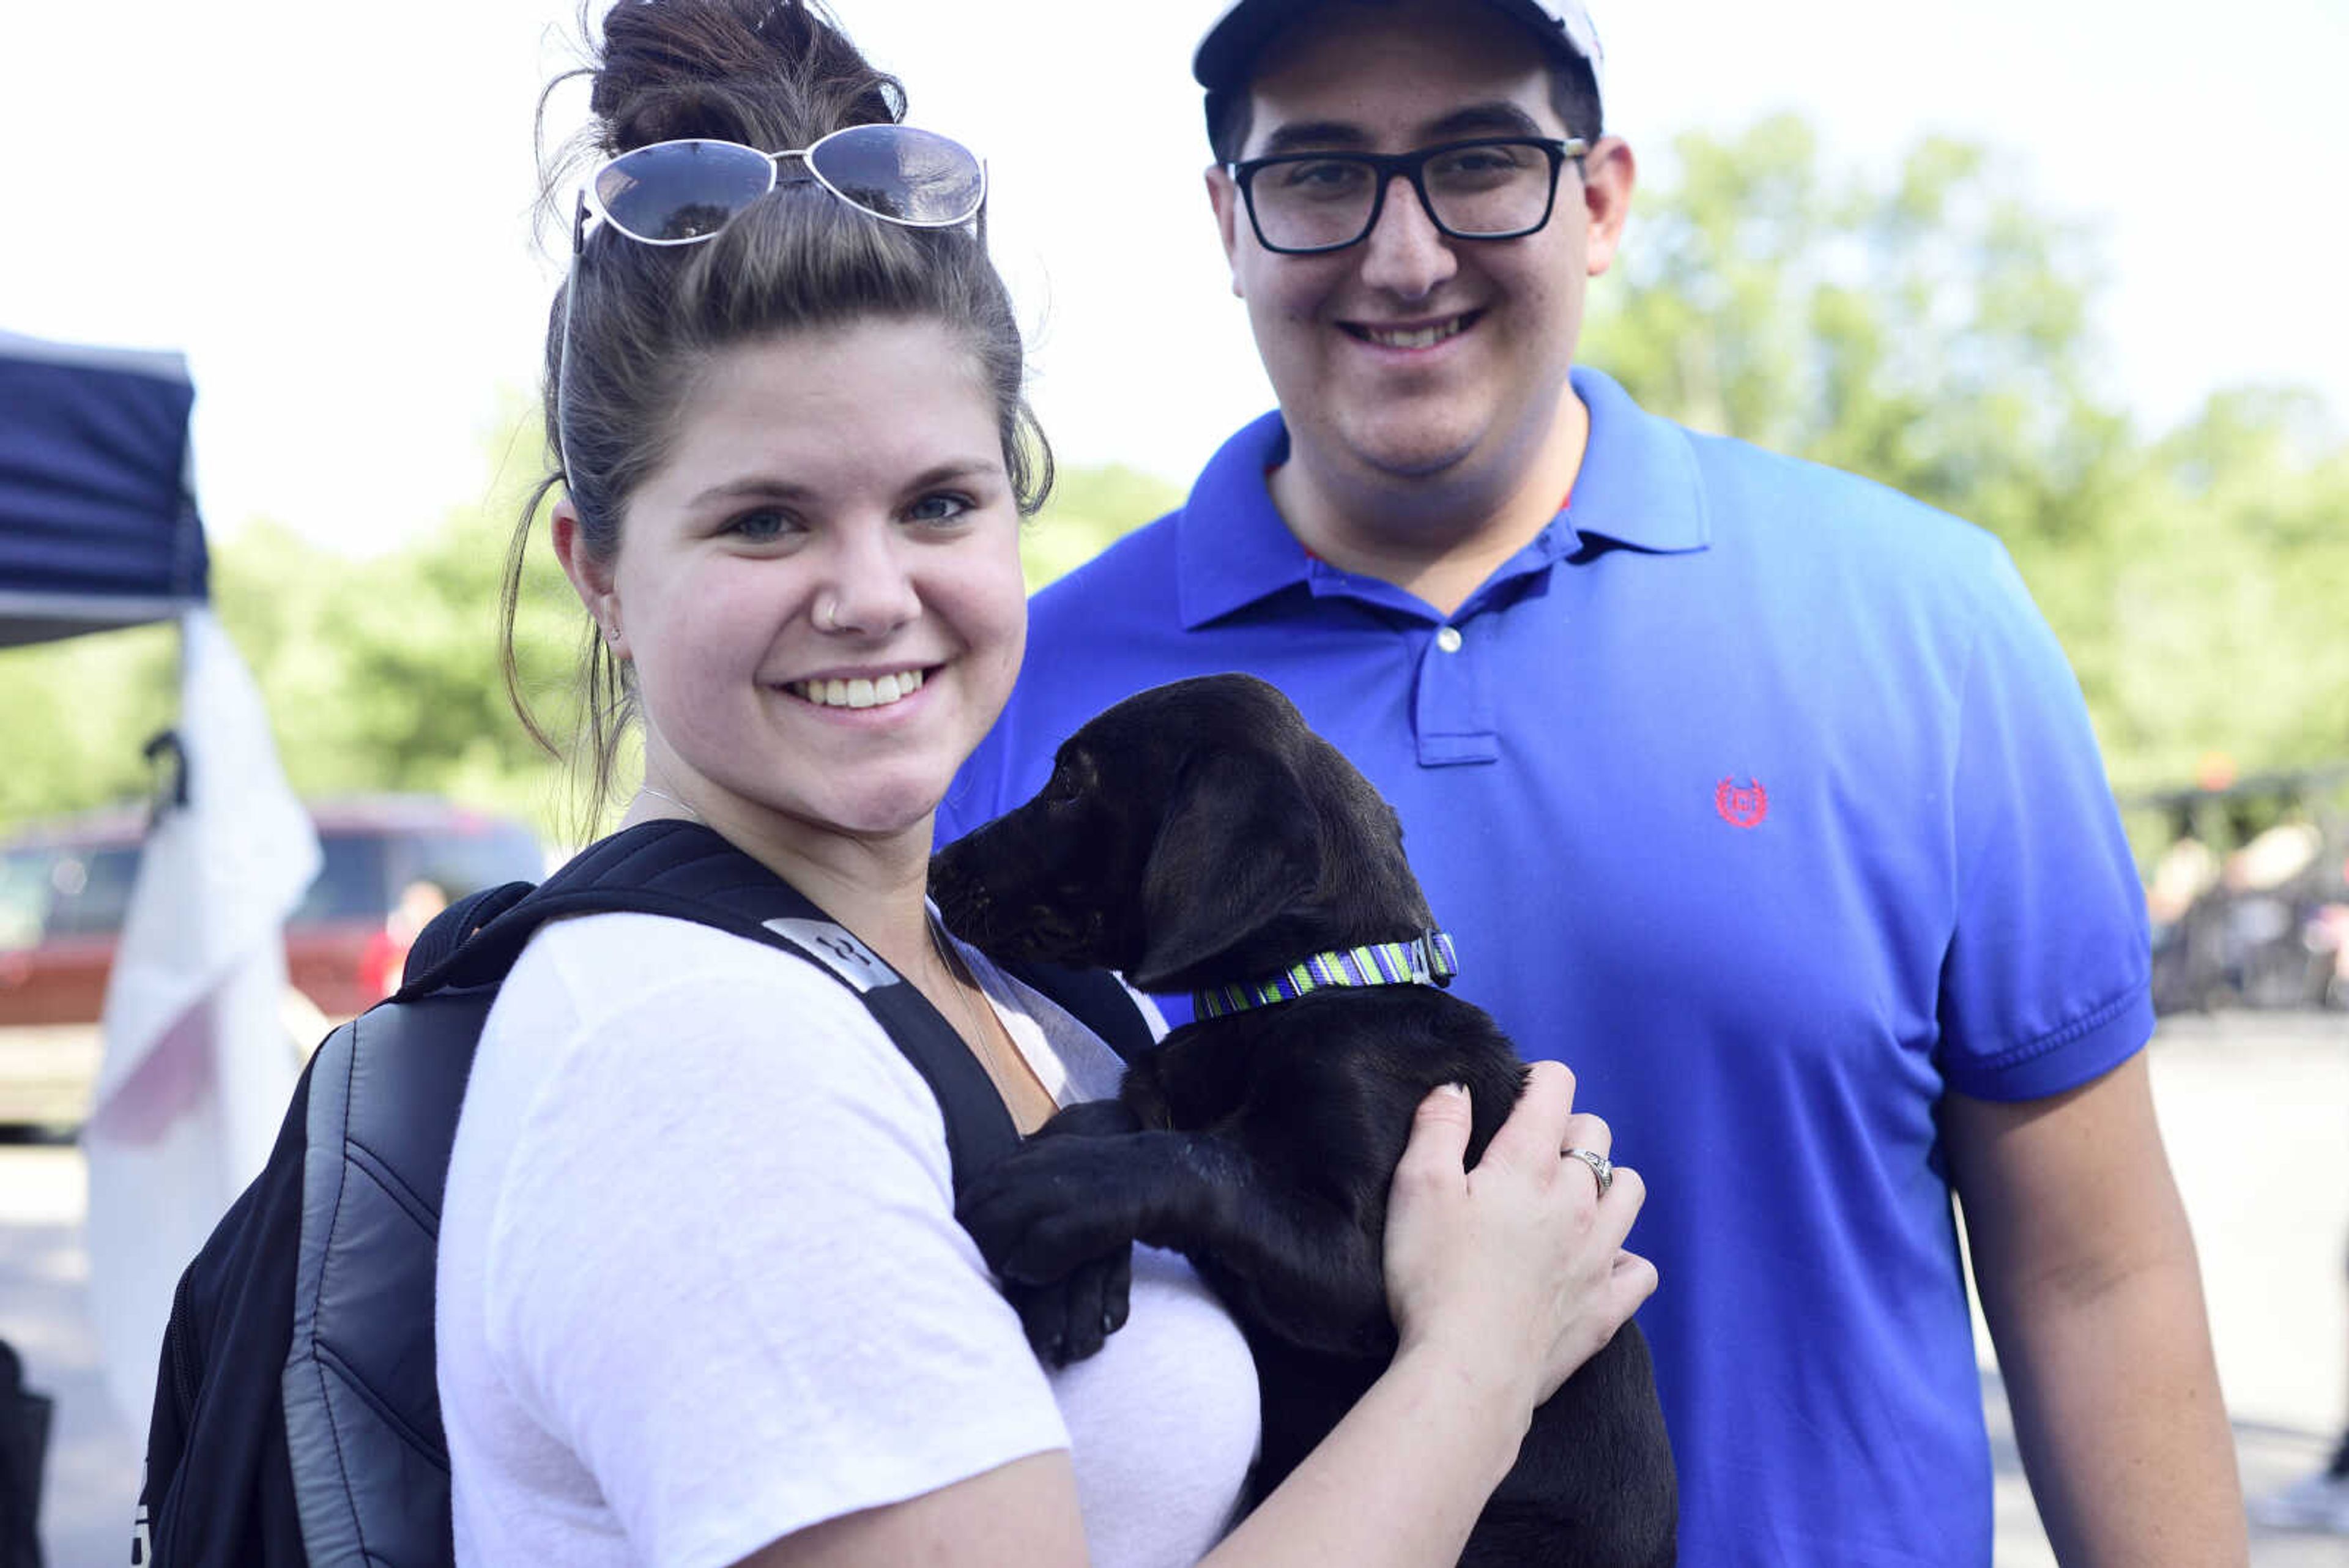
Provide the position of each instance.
(1426, 959)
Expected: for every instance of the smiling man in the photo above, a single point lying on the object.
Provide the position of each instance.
(1759, 795)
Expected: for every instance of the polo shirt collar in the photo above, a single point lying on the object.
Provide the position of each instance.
(1638, 488)
(1231, 547)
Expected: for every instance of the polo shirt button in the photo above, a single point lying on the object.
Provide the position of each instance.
(1447, 638)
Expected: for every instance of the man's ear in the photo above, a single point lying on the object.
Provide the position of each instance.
(1224, 195)
(1240, 848)
(1609, 172)
(591, 579)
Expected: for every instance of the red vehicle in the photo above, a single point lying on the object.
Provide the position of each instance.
(390, 862)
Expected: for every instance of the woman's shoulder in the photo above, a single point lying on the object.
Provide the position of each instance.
(637, 1004)
(598, 965)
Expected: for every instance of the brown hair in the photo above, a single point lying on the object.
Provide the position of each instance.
(644, 321)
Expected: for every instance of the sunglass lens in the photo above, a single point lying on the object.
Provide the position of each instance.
(677, 191)
(895, 171)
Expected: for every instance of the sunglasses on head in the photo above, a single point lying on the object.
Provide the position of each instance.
(681, 193)
(675, 193)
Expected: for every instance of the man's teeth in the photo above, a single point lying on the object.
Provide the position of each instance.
(1417, 337)
(860, 693)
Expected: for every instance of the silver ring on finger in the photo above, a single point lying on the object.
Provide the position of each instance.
(1601, 1166)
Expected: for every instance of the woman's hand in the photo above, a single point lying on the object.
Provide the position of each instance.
(1514, 1272)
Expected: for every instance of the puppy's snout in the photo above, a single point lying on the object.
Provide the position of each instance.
(962, 899)
(1051, 925)
(965, 908)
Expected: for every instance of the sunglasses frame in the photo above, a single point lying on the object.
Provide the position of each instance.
(804, 156)
(589, 212)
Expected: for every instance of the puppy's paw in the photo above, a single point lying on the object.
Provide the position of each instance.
(1071, 1318)
(1056, 1203)
(1091, 1118)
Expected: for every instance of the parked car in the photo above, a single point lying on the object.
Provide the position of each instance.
(389, 862)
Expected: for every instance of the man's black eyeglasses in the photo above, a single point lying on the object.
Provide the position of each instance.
(1490, 188)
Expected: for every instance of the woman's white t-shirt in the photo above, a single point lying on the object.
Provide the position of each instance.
(701, 1283)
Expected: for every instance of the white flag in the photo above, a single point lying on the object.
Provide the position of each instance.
(198, 1064)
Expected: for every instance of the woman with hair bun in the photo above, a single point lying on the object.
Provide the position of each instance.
(702, 1298)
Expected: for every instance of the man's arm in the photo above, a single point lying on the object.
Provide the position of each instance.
(2089, 1278)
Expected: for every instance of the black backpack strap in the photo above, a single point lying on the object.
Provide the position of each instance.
(1094, 998)
(446, 931)
(688, 872)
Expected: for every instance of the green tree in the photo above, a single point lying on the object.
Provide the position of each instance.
(73, 716)
(1090, 509)
(2228, 577)
(1931, 330)
(381, 672)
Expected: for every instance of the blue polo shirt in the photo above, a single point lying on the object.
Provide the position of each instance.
(1764, 798)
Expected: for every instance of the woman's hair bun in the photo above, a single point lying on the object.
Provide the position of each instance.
(771, 73)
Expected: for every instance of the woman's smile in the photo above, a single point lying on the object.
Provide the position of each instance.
(858, 692)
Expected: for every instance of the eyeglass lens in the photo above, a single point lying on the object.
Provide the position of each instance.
(682, 190)
(679, 191)
(897, 171)
(1326, 200)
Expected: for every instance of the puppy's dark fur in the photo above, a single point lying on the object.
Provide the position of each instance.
(1200, 834)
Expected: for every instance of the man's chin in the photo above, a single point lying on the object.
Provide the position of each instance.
(1412, 455)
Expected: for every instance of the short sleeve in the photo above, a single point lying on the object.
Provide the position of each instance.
(2045, 985)
(724, 1271)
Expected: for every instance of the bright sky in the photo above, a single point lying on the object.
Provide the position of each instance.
(328, 206)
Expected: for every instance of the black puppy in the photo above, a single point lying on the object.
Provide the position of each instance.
(1199, 837)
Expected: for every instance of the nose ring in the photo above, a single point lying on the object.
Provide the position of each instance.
(827, 614)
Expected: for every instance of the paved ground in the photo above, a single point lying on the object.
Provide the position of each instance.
(2256, 1109)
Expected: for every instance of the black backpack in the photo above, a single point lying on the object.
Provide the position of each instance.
(296, 1420)
(24, 1442)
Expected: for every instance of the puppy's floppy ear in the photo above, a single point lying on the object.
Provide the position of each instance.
(1240, 846)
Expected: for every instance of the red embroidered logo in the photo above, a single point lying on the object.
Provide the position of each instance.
(1742, 805)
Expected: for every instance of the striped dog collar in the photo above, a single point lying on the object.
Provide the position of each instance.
(1428, 959)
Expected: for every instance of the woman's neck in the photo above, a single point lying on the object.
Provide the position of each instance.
(878, 887)
(875, 885)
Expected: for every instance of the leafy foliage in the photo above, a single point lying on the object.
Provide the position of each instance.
(74, 715)
(1932, 331)
(1089, 508)
(1927, 329)
(380, 673)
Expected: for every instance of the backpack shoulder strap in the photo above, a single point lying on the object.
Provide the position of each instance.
(686, 871)
(443, 933)
(362, 1411)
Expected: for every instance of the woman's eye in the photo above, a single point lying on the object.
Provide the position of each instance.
(936, 509)
(761, 527)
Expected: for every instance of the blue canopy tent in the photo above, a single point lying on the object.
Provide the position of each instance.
(99, 530)
(99, 526)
